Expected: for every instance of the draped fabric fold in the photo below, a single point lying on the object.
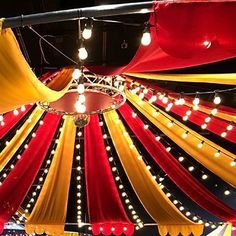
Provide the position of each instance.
(18, 182)
(49, 213)
(160, 208)
(176, 172)
(229, 78)
(10, 149)
(10, 120)
(101, 188)
(18, 83)
(205, 155)
(206, 36)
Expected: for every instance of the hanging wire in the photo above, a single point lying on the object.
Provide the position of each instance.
(51, 45)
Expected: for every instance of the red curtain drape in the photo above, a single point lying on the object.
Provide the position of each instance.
(18, 182)
(105, 208)
(11, 120)
(206, 36)
(176, 172)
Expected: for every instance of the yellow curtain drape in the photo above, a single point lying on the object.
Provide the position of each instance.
(205, 155)
(161, 209)
(7, 153)
(70, 233)
(219, 114)
(228, 231)
(49, 212)
(18, 83)
(197, 78)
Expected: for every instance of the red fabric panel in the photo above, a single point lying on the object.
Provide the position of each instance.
(216, 125)
(20, 179)
(178, 43)
(176, 172)
(104, 205)
(11, 120)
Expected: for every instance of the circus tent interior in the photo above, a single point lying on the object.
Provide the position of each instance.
(118, 118)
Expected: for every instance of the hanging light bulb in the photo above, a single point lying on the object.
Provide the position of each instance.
(76, 74)
(80, 88)
(146, 38)
(196, 100)
(80, 108)
(87, 33)
(217, 99)
(81, 98)
(83, 54)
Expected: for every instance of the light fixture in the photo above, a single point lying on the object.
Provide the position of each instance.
(82, 53)
(217, 99)
(86, 88)
(146, 38)
(87, 32)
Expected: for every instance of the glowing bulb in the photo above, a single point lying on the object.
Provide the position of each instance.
(134, 114)
(76, 74)
(181, 159)
(214, 111)
(83, 54)
(207, 43)
(175, 202)
(141, 95)
(229, 127)
(208, 119)
(223, 134)
(87, 33)
(233, 163)
(191, 168)
(196, 101)
(146, 126)
(169, 106)
(80, 88)
(188, 113)
(217, 154)
(204, 176)
(165, 100)
(185, 135)
(23, 108)
(81, 98)
(146, 39)
(226, 192)
(217, 99)
(16, 112)
(80, 108)
(1, 118)
(153, 98)
(170, 124)
(185, 118)
(200, 145)
(204, 126)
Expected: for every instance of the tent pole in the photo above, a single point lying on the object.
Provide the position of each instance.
(74, 14)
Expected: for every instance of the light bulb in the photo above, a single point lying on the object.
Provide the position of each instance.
(214, 111)
(83, 54)
(233, 163)
(146, 39)
(204, 176)
(87, 33)
(188, 113)
(229, 127)
(16, 112)
(165, 100)
(81, 98)
(153, 98)
(80, 108)
(191, 168)
(196, 101)
(226, 192)
(208, 119)
(217, 154)
(217, 99)
(181, 159)
(76, 74)
(141, 95)
(80, 88)
(1, 117)
(23, 108)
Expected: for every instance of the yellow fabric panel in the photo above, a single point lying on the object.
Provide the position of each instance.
(71, 234)
(160, 208)
(197, 78)
(49, 213)
(205, 155)
(228, 231)
(18, 83)
(219, 114)
(7, 153)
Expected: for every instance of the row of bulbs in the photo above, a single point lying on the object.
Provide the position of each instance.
(181, 158)
(161, 179)
(181, 101)
(121, 187)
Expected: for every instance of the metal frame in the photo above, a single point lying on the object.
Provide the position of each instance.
(78, 13)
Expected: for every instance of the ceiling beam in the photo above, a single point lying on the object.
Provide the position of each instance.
(78, 13)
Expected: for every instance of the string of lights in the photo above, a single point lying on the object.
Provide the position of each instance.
(159, 179)
(117, 177)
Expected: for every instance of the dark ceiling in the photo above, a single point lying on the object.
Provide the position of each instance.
(104, 48)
